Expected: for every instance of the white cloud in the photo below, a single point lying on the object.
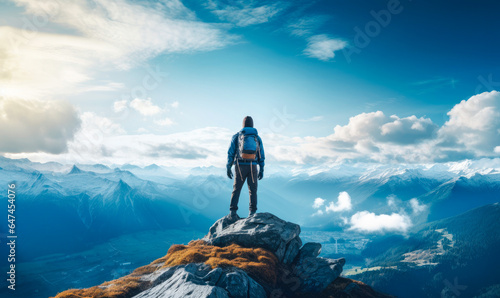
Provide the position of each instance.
(343, 203)
(435, 83)
(407, 130)
(323, 47)
(91, 140)
(376, 126)
(108, 86)
(368, 222)
(416, 206)
(318, 213)
(312, 119)
(43, 65)
(391, 201)
(109, 35)
(319, 46)
(100, 140)
(96, 127)
(345, 220)
(362, 126)
(175, 104)
(145, 107)
(165, 122)
(119, 106)
(306, 25)
(473, 131)
(245, 13)
(318, 202)
(474, 125)
(368, 137)
(36, 126)
(140, 30)
(436, 80)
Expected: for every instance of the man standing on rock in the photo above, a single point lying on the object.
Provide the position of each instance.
(246, 151)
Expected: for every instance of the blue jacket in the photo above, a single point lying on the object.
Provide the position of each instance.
(232, 152)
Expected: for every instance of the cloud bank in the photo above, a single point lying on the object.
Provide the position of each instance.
(101, 36)
(474, 125)
(36, 126)
(473, 131)
(138, 30)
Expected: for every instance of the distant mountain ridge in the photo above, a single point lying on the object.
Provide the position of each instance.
(79, 206)
(462, 248)
(154, 198)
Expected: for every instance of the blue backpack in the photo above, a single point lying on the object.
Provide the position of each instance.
(248, 146)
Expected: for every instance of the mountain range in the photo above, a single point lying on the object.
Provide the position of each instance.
(67, 208)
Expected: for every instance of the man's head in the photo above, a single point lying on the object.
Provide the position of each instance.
(247, 121)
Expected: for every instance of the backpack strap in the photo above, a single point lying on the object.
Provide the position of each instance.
(258, 145)
(238, 166)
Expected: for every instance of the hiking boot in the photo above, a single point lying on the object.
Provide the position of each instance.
(233, 214)
(251, 213)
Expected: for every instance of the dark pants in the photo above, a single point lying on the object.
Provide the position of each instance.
(244, 172)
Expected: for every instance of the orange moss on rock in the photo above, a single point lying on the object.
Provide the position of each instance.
(257, 262)
(122, 287)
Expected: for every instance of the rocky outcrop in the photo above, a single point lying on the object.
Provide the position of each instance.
(263, 230)
(267, 231)
(258, 256)
(200, 281)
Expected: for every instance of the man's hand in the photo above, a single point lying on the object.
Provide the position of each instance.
(229, 172)
(261, 173)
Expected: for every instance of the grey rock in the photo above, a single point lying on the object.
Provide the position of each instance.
(309, 250)
(236, 284)
(317, 273)
(262, 230)
(199, 280)
(240, 286)
(292, 250)
(221, 224)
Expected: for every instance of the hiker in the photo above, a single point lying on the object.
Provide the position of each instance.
(246, 151)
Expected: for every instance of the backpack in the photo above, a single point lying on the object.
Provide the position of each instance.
(248, 146)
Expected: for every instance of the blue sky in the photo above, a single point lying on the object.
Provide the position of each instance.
(322, 79)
